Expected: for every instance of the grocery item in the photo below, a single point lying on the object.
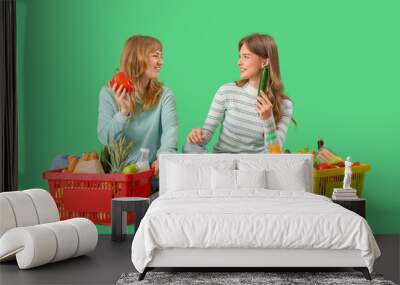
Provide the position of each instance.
(325, 165)
(119, 153)
(143, 162)
(273, 145)
(105, 159)
(93, 156)
(121, 79)
(130, 169)
(327, 156)
(60, 161)
(263, 80)
(72, 162)
(84, 157)
(88, 166)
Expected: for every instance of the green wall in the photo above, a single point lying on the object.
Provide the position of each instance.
(339, 62)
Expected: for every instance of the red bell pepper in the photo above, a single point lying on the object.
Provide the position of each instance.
(121, 79)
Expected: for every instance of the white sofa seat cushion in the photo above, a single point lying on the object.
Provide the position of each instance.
(32, 246)
(26, 208)
(7, 218)
(67, 240)
(23, 208)
(40, 244)
(45, 206)
(87, 235)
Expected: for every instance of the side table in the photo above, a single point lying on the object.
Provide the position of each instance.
(120, 206)
(357, 206)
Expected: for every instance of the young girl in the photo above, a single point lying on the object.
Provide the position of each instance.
(246, 118)
(146, 116)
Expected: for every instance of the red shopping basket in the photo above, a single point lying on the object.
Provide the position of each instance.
(89, 195)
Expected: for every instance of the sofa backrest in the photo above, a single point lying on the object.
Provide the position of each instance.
(26, 208)
(284, 171)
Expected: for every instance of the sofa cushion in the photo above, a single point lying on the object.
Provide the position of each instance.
(7, 220)
(33, 244)
(67, 240)
(45, 206)
(23, 208)
(40, 244)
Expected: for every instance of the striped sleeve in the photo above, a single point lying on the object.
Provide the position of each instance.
(215, 115)
(283, 125)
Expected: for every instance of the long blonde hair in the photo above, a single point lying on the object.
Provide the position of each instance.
(134, 61)
(265, 47)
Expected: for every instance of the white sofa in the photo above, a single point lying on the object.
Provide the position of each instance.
(31, 231)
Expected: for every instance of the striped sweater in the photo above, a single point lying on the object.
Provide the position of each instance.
(242, 129)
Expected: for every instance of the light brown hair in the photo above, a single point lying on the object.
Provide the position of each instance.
(134, 61)
(265, 47)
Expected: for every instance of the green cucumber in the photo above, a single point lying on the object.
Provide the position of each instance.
(263, 80)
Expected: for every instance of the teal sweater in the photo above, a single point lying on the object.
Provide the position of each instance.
(155, 129)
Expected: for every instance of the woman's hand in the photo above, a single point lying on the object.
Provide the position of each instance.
(155, 165)
(264, 106)
(123, 99)
(196, 136)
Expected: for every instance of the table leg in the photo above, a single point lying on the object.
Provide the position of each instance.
(124, 224)
(140, 211)
(116, 223)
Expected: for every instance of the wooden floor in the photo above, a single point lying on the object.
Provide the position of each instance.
(110, 260)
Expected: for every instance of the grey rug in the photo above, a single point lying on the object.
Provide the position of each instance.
(231, 278)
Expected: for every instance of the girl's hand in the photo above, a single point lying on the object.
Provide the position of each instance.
(123, 99)
(155, 165)
(196, 136)
(264, 106)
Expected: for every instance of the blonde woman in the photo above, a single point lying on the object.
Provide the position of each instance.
(246, 118)
(146, 116)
